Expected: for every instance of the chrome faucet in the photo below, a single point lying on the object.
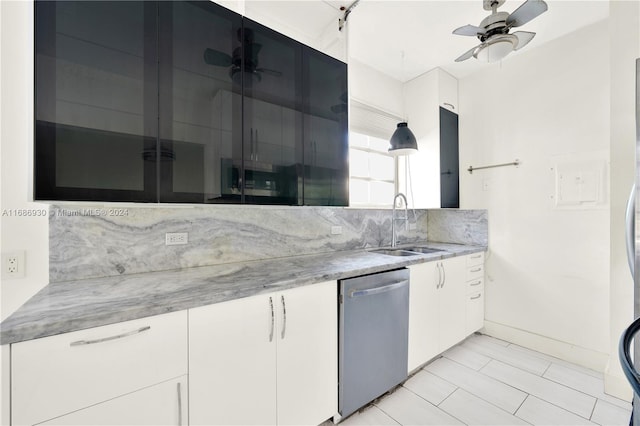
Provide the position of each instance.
(394, 217)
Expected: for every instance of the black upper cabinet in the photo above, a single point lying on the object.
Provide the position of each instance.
(200, 102)
(177, 101)
(449, 169)
(95, 101)
(326, 170)
(272, 116)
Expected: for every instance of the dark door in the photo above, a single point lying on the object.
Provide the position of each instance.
(449, 169)
(95, 100)
(200, 103)
(272, 116)
(326, 172)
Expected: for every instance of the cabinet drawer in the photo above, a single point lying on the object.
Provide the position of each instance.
(475, 272)
(475, 312)
(475, 259)
(161, 404)
(475, 285)
(59, 374)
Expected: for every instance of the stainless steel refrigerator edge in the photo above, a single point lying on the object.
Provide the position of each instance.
(373, 337)
(636, 231)
(633, 256)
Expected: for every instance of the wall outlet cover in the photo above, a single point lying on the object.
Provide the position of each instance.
(13, 265)
(176, 238)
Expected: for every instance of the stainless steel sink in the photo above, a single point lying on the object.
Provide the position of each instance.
(423, 250)
(395, 252)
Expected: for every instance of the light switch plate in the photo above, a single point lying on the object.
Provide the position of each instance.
(336, 230)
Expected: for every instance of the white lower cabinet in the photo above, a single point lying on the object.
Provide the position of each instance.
(268, 359)
(438, 317)
(112, 368)
(161, 404)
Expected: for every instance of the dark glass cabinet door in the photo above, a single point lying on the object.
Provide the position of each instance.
(96, 101)
(272, 116)
(326, 171)
(449, 168)
(200, 103)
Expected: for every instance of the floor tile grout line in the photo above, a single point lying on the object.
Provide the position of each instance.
(488, 402)
(593, 410)
(521, 404)
(542, 398)
(507, 384)
(438, 406)
(480, 397)
(571, 387)
(515, 366)
(374, 404)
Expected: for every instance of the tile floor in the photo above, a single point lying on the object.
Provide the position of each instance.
(486, 381)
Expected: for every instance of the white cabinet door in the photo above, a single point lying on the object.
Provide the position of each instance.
(423, 314)
(307, 337)
(161, 404)
(266, 359)
(452, 302)
(232, 362)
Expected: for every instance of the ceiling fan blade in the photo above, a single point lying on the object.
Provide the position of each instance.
(469, 30)
(526, 12)
(269, 72)
(524, 37)
(217, 58)
(466, 55)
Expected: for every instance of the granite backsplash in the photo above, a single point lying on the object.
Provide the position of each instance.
(88, 242)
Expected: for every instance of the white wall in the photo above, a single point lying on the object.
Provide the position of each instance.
(548, 268)
(373, 88)
(16, 153)
(16, 140)
(624, 24)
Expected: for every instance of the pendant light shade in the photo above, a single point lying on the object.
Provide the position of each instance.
(403, 142)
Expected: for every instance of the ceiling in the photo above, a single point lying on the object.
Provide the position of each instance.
(405, 39)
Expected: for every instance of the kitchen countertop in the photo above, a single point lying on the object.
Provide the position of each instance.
(66, 306)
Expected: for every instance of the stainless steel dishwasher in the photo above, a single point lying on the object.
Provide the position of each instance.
(374, 333)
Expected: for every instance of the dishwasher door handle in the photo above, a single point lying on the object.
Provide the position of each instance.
(377, 290)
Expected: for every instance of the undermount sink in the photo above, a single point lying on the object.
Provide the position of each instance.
(423, 250)
(395, 252)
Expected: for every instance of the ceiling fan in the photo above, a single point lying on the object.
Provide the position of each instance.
(251, 51)
(493, 31)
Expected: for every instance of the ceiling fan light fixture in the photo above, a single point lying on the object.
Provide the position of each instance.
(403, 141)
(496, 48)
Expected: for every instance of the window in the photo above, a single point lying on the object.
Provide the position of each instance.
(372, 171)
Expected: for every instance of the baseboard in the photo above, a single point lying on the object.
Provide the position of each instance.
(575, 354)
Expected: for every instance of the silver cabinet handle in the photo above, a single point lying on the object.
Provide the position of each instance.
(477, 256)
(476, 270)
(179, 387)
(106, 339)
(444, 274)
(273, 319)
(257, 145)
(376, 290)
(439, 275)
(284, 317)
(476, 283)
(476, 297)
(630, 230)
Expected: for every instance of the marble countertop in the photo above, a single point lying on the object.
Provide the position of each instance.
(66, 306)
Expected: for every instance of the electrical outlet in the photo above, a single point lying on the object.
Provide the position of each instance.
(13, 265)
(336, 230)
(176, 238)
